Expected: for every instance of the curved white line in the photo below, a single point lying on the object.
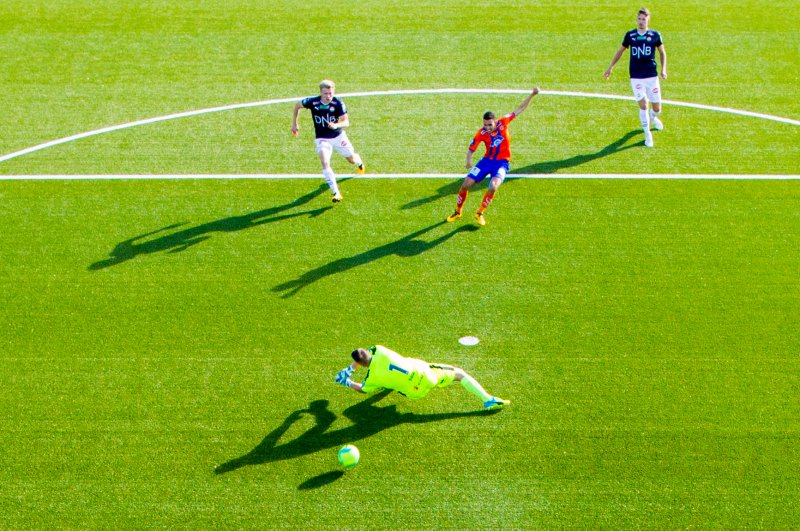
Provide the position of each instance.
(235, 106)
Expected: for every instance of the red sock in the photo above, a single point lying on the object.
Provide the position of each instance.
(487, 200)
(462, 197)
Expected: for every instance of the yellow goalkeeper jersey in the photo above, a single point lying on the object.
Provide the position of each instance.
(410, 377)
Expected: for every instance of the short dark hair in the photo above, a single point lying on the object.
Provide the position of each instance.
(644, 11)
(359, 355)
(488, 115)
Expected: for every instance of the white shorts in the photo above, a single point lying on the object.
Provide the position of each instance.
(648, 88)
(341, 144)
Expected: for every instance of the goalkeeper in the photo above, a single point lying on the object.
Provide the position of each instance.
(410, 377)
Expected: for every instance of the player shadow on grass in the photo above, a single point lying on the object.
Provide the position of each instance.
(406, 246)
(451, 189)
(183, 239)
(448, 190)
(367, 420)
(553, 166)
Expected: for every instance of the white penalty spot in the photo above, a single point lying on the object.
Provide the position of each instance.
(469, 341)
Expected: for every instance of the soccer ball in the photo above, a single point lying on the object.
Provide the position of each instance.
(349, 456)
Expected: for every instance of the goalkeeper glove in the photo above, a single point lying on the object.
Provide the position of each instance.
(343, 376)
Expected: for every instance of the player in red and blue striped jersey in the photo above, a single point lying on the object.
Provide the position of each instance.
(496, 137)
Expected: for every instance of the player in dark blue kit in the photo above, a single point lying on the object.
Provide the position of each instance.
(330, 119)
(643, 44)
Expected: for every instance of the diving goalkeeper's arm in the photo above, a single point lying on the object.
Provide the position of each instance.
(343, 377)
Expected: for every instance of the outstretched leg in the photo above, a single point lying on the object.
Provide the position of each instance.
(461, 198)
(471, 384)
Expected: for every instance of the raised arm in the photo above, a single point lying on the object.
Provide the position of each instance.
(524, 104)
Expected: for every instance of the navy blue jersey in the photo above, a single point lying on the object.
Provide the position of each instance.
(643, 52)
(322, 114)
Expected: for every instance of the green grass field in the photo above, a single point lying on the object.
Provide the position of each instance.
(169, 346)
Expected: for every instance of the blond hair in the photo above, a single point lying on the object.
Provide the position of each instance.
(327, 83)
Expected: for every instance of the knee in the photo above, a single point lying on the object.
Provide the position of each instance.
(460, 374)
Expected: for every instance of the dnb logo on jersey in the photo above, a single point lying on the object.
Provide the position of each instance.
(497, 141)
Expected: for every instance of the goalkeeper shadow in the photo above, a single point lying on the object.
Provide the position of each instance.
(367, 419)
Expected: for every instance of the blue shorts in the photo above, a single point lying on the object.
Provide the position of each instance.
(489, 167)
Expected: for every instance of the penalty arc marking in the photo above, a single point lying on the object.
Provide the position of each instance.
(236, 106)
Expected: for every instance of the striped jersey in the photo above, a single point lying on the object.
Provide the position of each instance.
(498, 142)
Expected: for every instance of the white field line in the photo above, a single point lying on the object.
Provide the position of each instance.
(672, 176)
(236, 106)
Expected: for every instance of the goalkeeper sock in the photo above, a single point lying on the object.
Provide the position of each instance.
(487, 200)
(330, 178)
(462, 197)
(470, 384)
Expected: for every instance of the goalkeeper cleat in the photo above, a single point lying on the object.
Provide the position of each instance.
(454, 216)
(337, 197)
(495, 403)
(480, 219)
(361, 168)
